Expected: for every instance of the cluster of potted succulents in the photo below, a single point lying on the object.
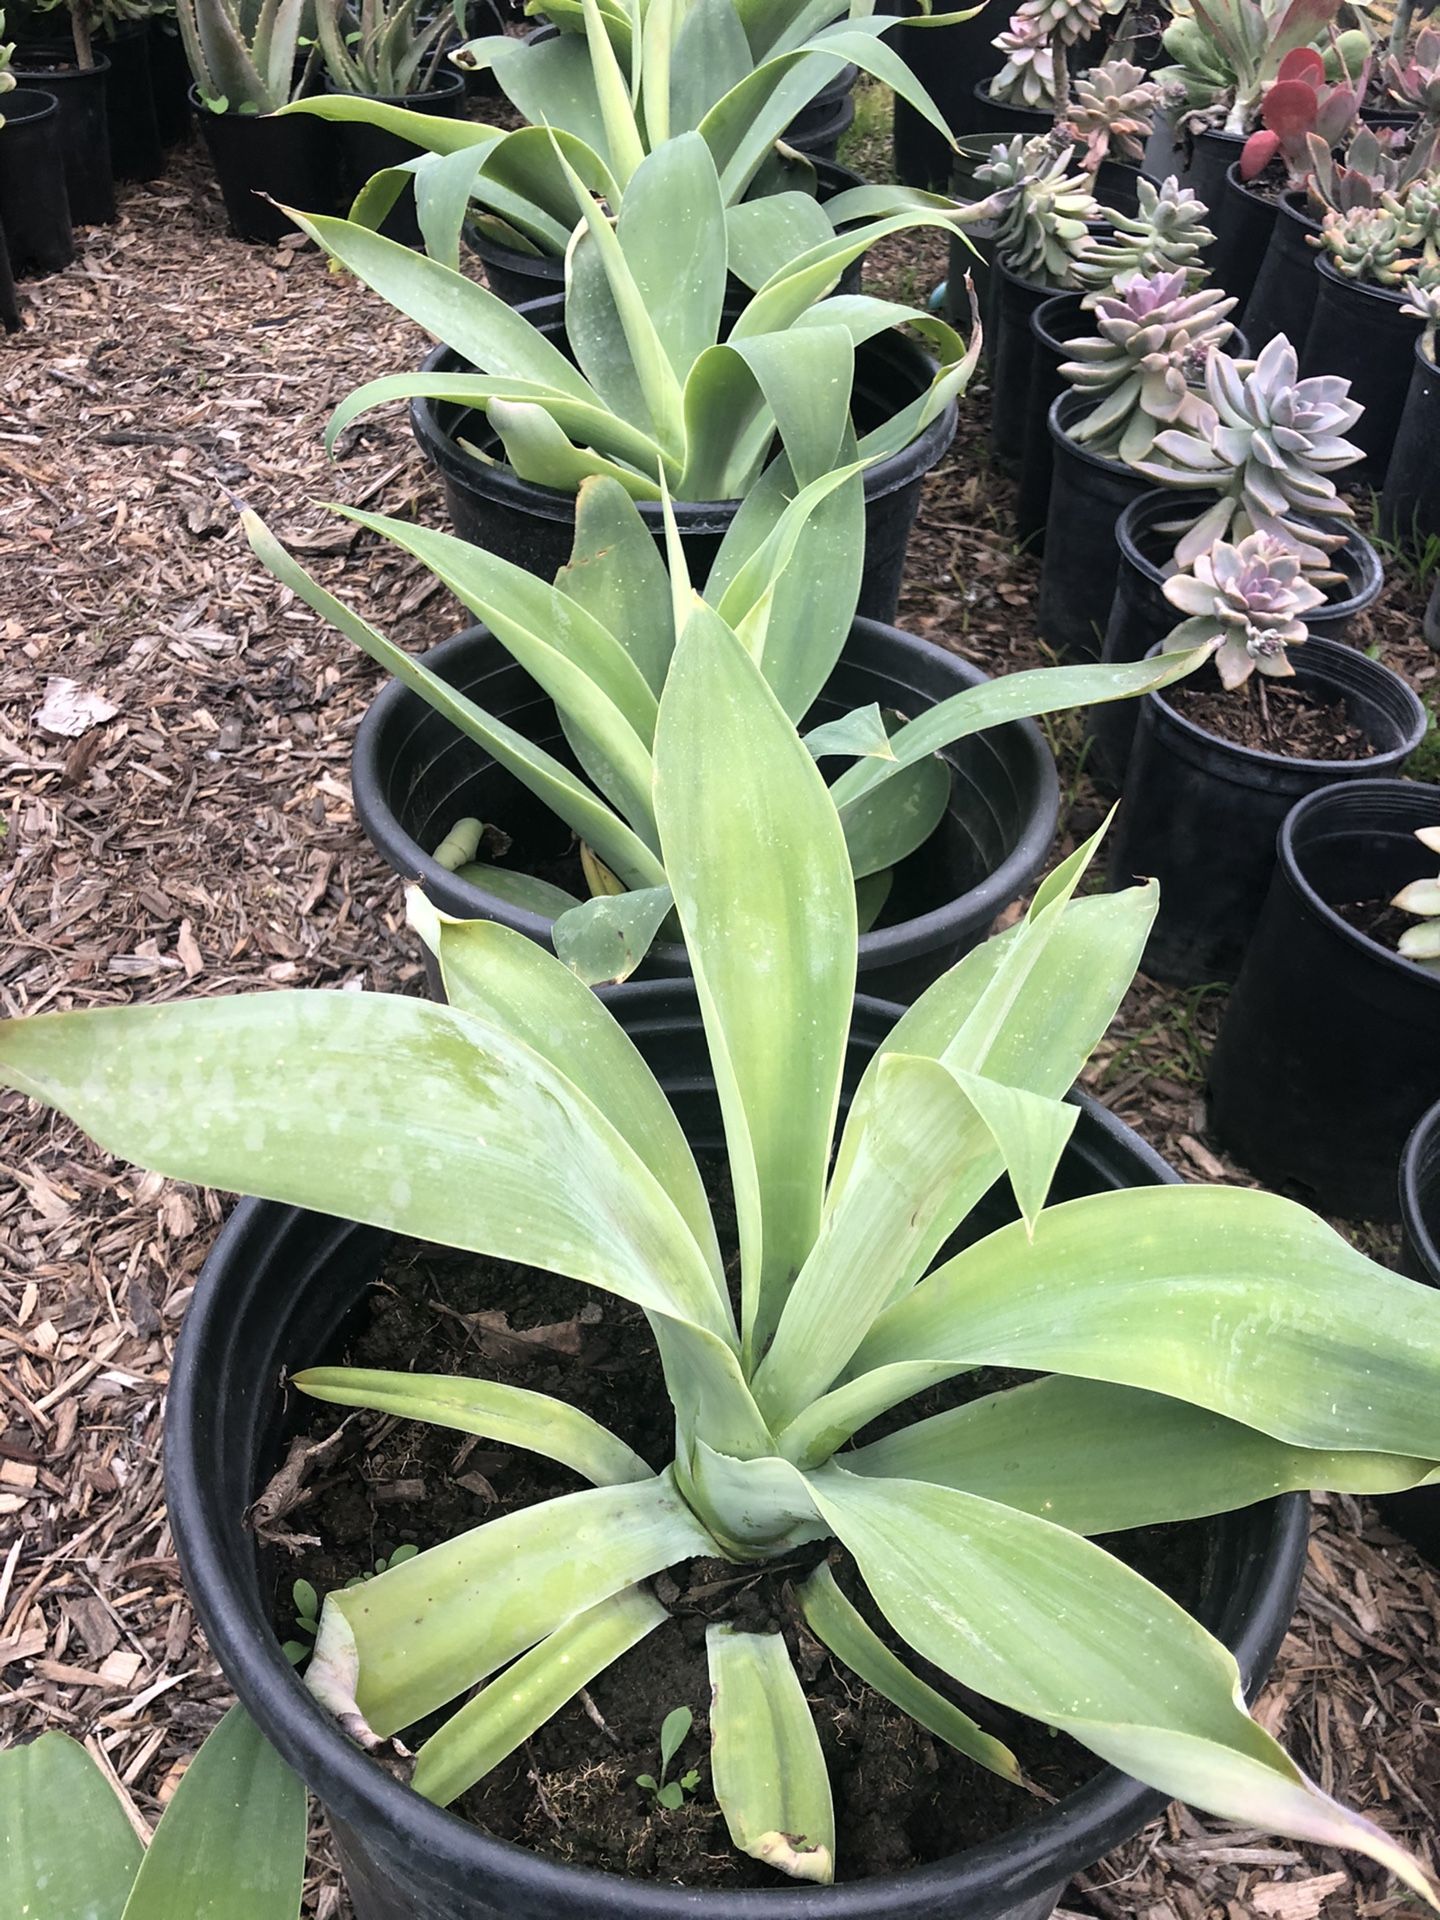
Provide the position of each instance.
(686, 762)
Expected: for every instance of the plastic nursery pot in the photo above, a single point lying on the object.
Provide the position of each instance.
(1165, 152)
(1410, 505)
(361, 151)
(1282, 299)
(1013, 301)
(1053, 325)
(818, 129)
(1141, 616)
(1330, 1047)
(84, 135)
(999, 120)
(535, 526)
(1242, 235)
(414, 775)
(275, 1295)
(1416, 1514)
(1211, 158)
(1088, 493)
(260, 158)
(9, 304)
(1360, 333)
(135, 149)
(519, 278)
(948, 61)
(34, 211)
(169, 81)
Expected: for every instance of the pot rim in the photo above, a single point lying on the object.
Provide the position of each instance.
(1289, 862)
(1391, 296)
(1076, 405)
(61, 75)
(19, 113)
(447, 83)
(1030, 1858)
(1422, 1146)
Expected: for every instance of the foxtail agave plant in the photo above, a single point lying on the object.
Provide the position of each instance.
(1144, 367)
(1045, 208)
(653, 397)
(1249, 601)
(1422, 897)
(1179, 1331)
(1166, 232)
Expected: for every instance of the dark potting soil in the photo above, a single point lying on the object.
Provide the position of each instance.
(1377, 920)
(1274, 716)
(901, 1797)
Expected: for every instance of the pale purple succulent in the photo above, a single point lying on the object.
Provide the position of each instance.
(1251, 598)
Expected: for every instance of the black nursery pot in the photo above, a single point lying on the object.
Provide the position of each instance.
(1282, 299)
(999, 120)
(534, 526)
(34, 212)
(1416, 1513)
(135, 149)
(1360, 333)
(1200, 813)
(1410, 505)
(1141, 616)
(169, 81)
(282, 157)
(364, 150)
(1330, 1048)
(1088, 493)
(1053, 325)
(84, 130)
(1013, 302)
(9, 304)
(1211, 158)
(414, 775)
(1242, 236)
(818, 129)
(949, 62)
(275, 1296)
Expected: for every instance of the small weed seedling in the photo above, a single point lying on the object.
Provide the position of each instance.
(307, 1604)
(674, 1731)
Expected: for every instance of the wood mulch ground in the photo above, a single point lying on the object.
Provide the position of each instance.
(174, 740)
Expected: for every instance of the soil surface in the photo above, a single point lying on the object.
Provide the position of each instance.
(1274, 716)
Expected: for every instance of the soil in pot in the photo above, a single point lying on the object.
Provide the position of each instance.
(1275, 716)
(34, 210)
(84, 129)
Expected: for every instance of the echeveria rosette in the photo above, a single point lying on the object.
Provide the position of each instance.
(1267, 443)
(1422, 897)
(1249, 601)
(1111, 111)
(1422, 302)
(1369, 245)
(1027, 78)
(1143, 368)
(1415, 82)
(1166, 231)
(1045, 222)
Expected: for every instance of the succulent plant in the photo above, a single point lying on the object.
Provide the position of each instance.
(1027, 78)
(1250, 598)
(1229, 52)
(1267, 443)
(381, 48)
(1414, 82)
(1369, 244)
(1111, 111)
(1166, 232)
(1143, 368)
(1422, 302)
(7, 54)
(1376, 162)
(244, 60)
(1040, 233)
(1302, 105)
(1422, 897)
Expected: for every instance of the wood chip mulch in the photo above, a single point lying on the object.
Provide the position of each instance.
(174, 740)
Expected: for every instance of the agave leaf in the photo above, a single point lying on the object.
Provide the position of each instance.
(885, 825)
(50, 1790)
(861, 732)
(604, 940)
(523, 890)
(871, 894)
(616, 574)
(1098, 1458)
(711, 56)
(539, 450)
(806, 379)
(672, 233)
(762, 235)
(622, 135)
(432, 133)
(765, 1759)
(553, 85)
(657, 65)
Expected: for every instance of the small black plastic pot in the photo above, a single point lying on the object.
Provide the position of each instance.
(84, 134)
(818, 129)
(9, 303)
(1329, 1052)
(1200, 813)
(1211, 157)
(1410, 505)
(1282, 299)
(1000, 120)
(1416, 1513)
(260, 158)
(1141, 616)
(1013, 302)
(1088, 493)
(34, 211)
(535, 526)
(279, 1291)
(135, 149)
(1053, 325)
(170, 79)
(414, 775)
(1242, 235)
(1360, 333)
(948, 61)
(362, 150)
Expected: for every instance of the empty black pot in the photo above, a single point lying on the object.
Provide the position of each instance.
(260, 158)
(1242, 230)
(1416, 1514)
(1282, 299)
(535, 526)
(84, 131)
(362, 150)
(1088, 493)
(34, 211)
(276, 1294)
(1330, 1048)
(414, 775)
(948, 61)
(1141, 616)
(135, 149)
(1410, 506)
(1360, 333)
(169, 81)
(1200, 813)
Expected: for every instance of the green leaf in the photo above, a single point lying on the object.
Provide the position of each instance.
(615, 573)
(711, 56)
(410, 1640)
(540, 451)
(517, 889)
(764, 894)
(512, 1416)
(670, 1796)
(489, 1728)
(627, 151)
(871, 894)
(1085, 1645)
(50, 1792)
(765, 1760)
(605, 939)
(1098, 1458)
(886, 824)
(763, 235)
(674, 1732)
(1031, 1130)
(306, 1599)
(552, 84)
(231, 1843)
(672, 233)
(841, 1628)
(806, 379)
(433, 133)
(859, 732)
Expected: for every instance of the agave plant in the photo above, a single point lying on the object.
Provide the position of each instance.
(381, 46)
(1249, 601)
(1422, 897)
(1413, 80)
(1300, 108)
(1166, 233)
(244, 61)
(1267, 443)
(1179, 1330)
(1143, 368)
(1045, 209)
(1111, 112)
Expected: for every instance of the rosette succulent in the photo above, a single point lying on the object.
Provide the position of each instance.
(1249, 601)
(1045, 223)
(1414, 81)
(1369, 244)
(1422, 897)
(1422, 302)
(1267, 443)
(1376, 162)
(1143, 367)
(1167, 231)
(1111, 111)
(1027, 78)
